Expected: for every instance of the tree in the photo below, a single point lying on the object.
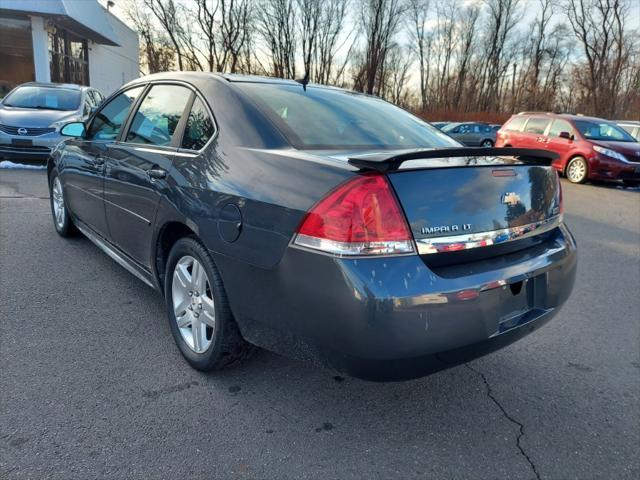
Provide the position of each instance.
(380, 21)
(599, 26)
(276, 24)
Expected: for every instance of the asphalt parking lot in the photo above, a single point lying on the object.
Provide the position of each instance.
(92, 385)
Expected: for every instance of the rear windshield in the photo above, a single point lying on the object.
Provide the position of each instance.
(44, 98)
(602, 131)
(322, 118)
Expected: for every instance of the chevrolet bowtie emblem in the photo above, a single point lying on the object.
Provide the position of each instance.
(510, 198)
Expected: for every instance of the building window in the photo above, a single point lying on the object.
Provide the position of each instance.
(16, 53)
(68, 57)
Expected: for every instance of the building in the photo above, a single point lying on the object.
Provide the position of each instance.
(70, 41)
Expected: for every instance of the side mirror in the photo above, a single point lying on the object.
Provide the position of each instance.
(566, 135)
(73, 129)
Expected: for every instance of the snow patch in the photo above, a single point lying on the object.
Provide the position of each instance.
(24, 166)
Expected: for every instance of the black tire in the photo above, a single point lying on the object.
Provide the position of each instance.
(227, 346)
(578, 163)
(631, 183)
(487, 143)
(65, 227)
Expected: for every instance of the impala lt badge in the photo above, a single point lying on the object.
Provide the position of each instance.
(464, 227)
(510, 198)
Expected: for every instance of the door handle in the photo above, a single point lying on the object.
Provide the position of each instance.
(157, 173)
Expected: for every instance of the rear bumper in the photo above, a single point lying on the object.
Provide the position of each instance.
(394, 318)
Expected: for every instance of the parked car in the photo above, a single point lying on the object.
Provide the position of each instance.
(632, 128)
(32, 114)
(588, 147)
(315, 222)
(439, 125)
(472, 134)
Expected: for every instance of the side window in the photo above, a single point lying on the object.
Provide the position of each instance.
(199, 127)
(88, 103)
(515, 124)
(476, 128)
(159, 114)
(108, 121)
(536, 126)
(560, 126)
(98, 98)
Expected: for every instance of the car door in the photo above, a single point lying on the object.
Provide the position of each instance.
(137, 166)
(533, 134)
(84, 161)
(555, 143)
(463, 133)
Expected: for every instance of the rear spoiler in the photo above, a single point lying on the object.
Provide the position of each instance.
(389, 161)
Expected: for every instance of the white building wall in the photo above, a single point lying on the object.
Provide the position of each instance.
(40, 50)
(112, 67)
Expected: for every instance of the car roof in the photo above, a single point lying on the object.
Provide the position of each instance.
(201, 77)
(635, 123)
(566, 116)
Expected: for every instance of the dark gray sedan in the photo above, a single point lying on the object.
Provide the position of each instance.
(315, 222)
(32, 114)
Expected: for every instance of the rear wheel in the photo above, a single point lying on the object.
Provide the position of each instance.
(199, 314)
(577, 170)
(487, 143)
(61, 219)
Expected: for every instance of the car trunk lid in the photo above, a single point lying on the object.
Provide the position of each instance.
(459, 203)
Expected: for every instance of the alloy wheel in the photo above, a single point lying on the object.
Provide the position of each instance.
(576, 171)
(58, 203)
(193, 304)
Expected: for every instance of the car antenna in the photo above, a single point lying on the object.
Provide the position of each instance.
(304, 81)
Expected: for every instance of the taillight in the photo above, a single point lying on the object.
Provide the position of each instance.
(360, 217)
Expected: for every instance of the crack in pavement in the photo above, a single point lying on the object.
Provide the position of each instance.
(508, 417)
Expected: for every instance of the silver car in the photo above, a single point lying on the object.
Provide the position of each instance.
(32, 114)
(632, 127)
(472, 134)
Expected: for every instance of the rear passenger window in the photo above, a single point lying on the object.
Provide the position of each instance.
(536, 125)
(159, 114)
(515, 125)
(199, 127)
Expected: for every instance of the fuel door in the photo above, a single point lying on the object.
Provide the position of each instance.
(230, 223)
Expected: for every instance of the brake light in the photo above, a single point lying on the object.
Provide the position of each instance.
(360, 217)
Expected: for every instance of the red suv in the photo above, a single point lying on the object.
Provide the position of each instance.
(589, 148)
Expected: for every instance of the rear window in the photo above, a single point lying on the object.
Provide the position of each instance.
(43, 98)
(537, 125)
(605, 131)
(323, 118)
(515, 124)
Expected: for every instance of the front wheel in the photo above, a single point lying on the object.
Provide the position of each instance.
(61, 218)
(199, 315)
(577, 170)
(487, 143)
